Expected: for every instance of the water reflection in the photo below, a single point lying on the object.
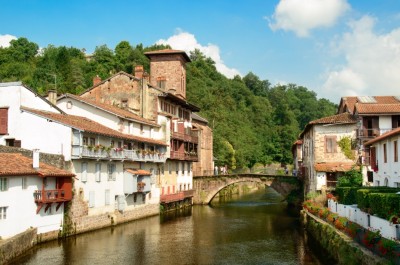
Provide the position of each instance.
(256, 228)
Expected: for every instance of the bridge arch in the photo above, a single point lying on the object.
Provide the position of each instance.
(206, 187)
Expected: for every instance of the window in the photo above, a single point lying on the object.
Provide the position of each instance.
(84, 172)
(13, 142)
(330, 144)
(107, 197)
(161, 82)
(91, 199)
(169, 167)
(3, 184)
(92, 141)
(384, 153)
(111, 171)
(3, 213)
(24, 183)
(177, 167)
(396, 153)
(85, 141)
(3, 121)
(124, 103)
(98, 172)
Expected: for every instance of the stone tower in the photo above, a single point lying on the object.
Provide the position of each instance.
(168, 70)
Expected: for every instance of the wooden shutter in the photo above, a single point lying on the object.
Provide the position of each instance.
(3, 121)
(373, 158)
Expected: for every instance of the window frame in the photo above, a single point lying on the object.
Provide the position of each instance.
(330, 144)
(3, 184)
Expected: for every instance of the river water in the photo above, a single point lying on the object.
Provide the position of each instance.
(255, 228)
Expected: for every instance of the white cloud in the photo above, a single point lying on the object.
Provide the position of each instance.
(187, 42)
(5, 40)
(301, 16)
(372, 62)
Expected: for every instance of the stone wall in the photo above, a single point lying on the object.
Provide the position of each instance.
(204, 167)
(341, 248)
(78, 221)
(50, 159)
(17, 245)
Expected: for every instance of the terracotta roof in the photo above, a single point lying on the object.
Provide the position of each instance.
(15, 164)
(140, 172)
(336, 119)
(113, 109)
(333, 167)
(342, 118)
(365, 108)
(85, 124)
(383, 136)
(168, 51)
(350, 102)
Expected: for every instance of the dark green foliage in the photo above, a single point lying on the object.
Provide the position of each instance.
(347, 195)
(352, 178)
(384, 204)
(252, 121)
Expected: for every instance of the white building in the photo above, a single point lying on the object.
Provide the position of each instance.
(384, 159)
(32, 194)
(26, 131)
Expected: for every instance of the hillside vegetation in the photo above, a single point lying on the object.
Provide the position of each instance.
(253, 121)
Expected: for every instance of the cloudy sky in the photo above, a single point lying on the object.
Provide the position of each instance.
(333, 47)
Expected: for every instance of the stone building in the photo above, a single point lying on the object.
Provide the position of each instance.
(205, 165)
(161, 98)
(323, 160)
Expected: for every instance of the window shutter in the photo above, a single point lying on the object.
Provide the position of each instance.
(3, 121)
(84, 172)
(107, 197)
(17, 143)
(98, 172)
(91, 199)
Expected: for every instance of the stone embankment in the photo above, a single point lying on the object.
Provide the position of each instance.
(341, 247)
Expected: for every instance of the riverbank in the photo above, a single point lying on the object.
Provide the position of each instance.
(341, 247)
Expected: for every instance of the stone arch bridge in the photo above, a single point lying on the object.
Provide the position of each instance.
(206, 187)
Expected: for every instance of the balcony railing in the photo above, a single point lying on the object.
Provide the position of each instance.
(192, 136)
(118, 154)
(46, 196)
(185, 155)
(179, 196)
(371, 133)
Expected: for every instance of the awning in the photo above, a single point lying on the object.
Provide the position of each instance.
(140, 172)
(334, 167)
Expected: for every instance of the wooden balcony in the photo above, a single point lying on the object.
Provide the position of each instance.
(175, 197)
(179, 155)
(49, 196)
(192, 136)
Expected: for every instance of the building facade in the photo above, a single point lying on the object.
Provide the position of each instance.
(323, 160)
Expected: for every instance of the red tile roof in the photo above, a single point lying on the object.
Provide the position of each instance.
(351, 102)
(383, 136)
(15, 164)
(140, 172)
(333, 167)
(85, 124)
(113, 109)
(168, 51)
(365, 108)
(336, 119)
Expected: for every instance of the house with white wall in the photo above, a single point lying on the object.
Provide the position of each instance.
(384, 158)
(32, 194)
(375, 115)
(323, 160)
(23, 130)
(98, 161)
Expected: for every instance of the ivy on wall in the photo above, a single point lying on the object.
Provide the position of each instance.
(345, 144)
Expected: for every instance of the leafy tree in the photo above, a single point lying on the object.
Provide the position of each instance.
(352, 178)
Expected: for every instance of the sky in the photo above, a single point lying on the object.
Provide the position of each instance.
(335, 48)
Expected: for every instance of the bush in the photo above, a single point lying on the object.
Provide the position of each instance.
(352, 178)
(384, 204)
(347, 195)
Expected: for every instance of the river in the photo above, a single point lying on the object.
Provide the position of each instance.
(256, 228)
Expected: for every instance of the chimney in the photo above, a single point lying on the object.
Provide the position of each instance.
(35, 158)
(52, 96)
(139, 71)
(96, 80)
